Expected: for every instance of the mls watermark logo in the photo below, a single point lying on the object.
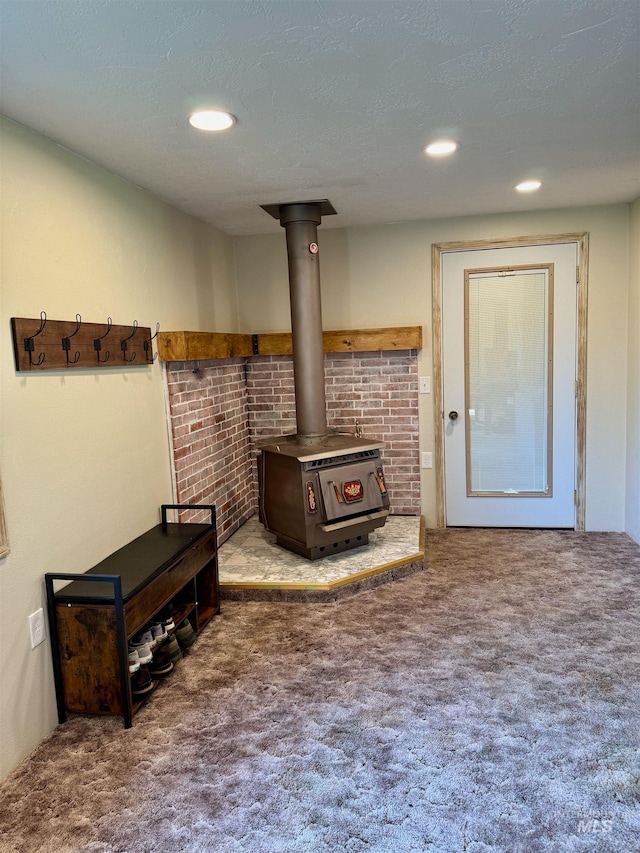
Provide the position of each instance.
(589, 823)
(594, 826)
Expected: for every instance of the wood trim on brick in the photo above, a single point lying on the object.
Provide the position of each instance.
(195, 346)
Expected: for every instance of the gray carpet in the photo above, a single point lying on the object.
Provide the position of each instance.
(489, 703)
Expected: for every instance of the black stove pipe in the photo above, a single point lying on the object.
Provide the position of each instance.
(300, 221)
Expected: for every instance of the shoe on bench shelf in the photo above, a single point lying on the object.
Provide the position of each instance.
(143, 651)
(141, 682)
(185, 634)
(173, 648)
(161, 664)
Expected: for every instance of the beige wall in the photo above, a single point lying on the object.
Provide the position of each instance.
(633, 380)
(381, 276)
(84, 454)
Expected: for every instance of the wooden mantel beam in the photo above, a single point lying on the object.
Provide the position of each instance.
(199, 346)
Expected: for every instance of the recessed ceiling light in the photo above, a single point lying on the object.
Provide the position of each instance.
(529, 186)
(441, 148)
(211, 120)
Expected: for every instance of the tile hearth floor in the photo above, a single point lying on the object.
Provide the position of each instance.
(251, 563)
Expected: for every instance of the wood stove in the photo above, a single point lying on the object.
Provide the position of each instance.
(320, 492)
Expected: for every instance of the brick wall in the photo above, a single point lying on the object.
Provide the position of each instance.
(377, 389)
(211, 444)
(218, 414)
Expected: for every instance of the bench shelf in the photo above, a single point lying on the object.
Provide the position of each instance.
(94, 616)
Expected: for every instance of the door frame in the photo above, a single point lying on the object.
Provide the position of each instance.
(581, 240)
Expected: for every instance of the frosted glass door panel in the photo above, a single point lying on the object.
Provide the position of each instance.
(508, 341)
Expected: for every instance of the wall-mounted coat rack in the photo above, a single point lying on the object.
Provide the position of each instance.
(45, 344)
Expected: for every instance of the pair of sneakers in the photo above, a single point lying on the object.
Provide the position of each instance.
(144, 665)
(139, 654)
(179, 641)
(154, 633)
(146, 648)
(146, 641)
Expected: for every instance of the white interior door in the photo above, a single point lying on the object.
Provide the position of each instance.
(509, 319)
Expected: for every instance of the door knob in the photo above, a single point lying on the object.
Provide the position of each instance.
(453, 416)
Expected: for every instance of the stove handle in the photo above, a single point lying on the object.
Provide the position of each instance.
(351, 522)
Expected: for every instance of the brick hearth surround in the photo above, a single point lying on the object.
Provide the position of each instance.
(211, 443)
(218, 413)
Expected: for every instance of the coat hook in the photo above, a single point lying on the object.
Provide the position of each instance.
(66, 342)
(148, 345)
(123, 343)
(97, 344)
(29, 344)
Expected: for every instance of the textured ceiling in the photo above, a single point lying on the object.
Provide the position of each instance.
(336, 99)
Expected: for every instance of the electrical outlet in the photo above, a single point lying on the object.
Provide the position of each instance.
(425, 384)
(37, 628)
(427, 459)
